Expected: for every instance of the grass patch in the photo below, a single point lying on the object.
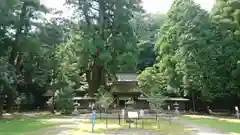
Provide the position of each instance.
(113, 124)
(219, 123)
(23, 126)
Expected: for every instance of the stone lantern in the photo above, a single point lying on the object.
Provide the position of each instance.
(129, 104)
(176, 106)
(76, 106)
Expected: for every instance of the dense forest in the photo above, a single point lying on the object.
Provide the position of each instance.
(187, 52)
(198, 55)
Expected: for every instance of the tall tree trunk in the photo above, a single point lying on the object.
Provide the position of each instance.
(96, 76)
(1, 102)
(14, 51)
(93, 79)
(14, 54)
(10, 101)
(193, 101)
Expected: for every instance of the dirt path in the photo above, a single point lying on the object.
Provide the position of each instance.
(70, 126)
(132, 131)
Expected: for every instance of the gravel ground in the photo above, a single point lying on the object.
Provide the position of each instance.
(72, 122)
(132, 131)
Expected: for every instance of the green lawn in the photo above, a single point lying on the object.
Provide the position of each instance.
(228, 125)
(22, 126)
(100, 127)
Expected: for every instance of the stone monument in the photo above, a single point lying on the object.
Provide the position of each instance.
(237, 111)
(76, 106)
(176, 106)
(129, 104)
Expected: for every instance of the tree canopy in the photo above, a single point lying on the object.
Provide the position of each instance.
(197, 54)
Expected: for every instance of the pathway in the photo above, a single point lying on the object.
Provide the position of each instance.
(67, 124)
(132, 131)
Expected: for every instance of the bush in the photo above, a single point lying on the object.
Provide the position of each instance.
(64, 101)
(105, 98)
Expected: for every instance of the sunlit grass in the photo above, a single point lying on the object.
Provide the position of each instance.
(22, 126)
(228, 125)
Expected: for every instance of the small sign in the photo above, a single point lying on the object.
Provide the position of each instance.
(132, 115)
(141, 113)
(236, 108)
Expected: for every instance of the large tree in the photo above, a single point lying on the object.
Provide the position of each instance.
(27, 43)
(225, 16)
(189, 55)
(103, 40)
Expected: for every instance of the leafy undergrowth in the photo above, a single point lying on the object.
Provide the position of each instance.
(228, 125)
(23, 126)
(100, 126)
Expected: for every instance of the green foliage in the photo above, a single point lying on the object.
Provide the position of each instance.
(26, 57)
(147, 27)
(104, 98)
(64, 101)
(103, 42)
(197, 53)
(151, 82)
(112, 43)
(156, 101)
(225, 17)
(227, 13)
(24, 99)
(7, 74)
(153, 85)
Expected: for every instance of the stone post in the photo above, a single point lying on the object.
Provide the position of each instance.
(237, 111)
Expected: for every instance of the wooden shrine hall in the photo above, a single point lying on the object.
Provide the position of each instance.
(125, 88)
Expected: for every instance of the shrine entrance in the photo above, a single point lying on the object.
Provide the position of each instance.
(122, 98)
